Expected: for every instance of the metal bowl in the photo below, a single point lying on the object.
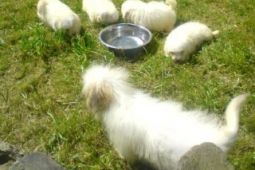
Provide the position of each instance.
(125, 39)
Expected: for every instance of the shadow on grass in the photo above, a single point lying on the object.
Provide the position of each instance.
(141, 165)
(152, 47)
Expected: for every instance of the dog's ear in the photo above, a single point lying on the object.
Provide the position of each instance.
(99, 98)
(41, 8)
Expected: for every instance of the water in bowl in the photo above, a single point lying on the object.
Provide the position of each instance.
(126, 42)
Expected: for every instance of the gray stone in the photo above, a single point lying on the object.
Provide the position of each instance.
(36, 161)
(8, 155)
(9, 150)
(206, 156)
(6, 165)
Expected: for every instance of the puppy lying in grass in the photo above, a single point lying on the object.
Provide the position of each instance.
(185, 39)
(145, 128)
(58, 16)
(156, 16)
(101, 11)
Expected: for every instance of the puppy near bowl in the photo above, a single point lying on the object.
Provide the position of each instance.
(125, 39)
(154, 15)
(101, 11)
(184, 40)
(58, 16)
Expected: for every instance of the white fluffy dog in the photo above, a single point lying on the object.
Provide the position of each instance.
(101, 11)
(156, 16)
(185, 39)
(58, 16)
(142, 127)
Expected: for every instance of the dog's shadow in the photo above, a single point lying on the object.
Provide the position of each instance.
(148, 50)
(141, 165)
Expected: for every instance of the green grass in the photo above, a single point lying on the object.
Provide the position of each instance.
(41, 106)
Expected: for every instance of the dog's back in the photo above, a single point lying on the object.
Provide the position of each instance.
(232, 120)
(143, 13)
(100, 11)
(169, 130)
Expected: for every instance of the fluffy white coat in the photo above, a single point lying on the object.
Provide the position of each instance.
(185, 39)
(171, 3)
(58, 16)
(156, 16)
(101, 11)
(142, 127)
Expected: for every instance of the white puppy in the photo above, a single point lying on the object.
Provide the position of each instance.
(101, 11)
(185, 39)
(156, 16)
(58, 16)
(142, 127)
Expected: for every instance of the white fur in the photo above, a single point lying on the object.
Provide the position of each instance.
(142, 127)
(171, 3)
(58, 16)
(156, 16)
(185, 39)
(101, 11)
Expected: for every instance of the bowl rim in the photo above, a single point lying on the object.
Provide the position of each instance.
(114, 25)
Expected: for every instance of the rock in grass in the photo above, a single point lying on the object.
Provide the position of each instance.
(206, 156)
(7, 150)
(8, 154)
(36, 161)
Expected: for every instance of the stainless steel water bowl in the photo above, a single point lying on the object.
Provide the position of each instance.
(125, 39)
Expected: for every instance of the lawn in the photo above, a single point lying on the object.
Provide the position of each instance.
(41, 106)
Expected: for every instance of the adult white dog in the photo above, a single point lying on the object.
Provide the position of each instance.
(185, 39)
(58, 16)
(101, 11)
(142, 127)
(154, 15)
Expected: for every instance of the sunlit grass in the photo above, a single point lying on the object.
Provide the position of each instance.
(41, 107)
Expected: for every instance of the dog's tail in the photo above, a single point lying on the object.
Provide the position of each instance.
(232, 116)
(215, 33)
